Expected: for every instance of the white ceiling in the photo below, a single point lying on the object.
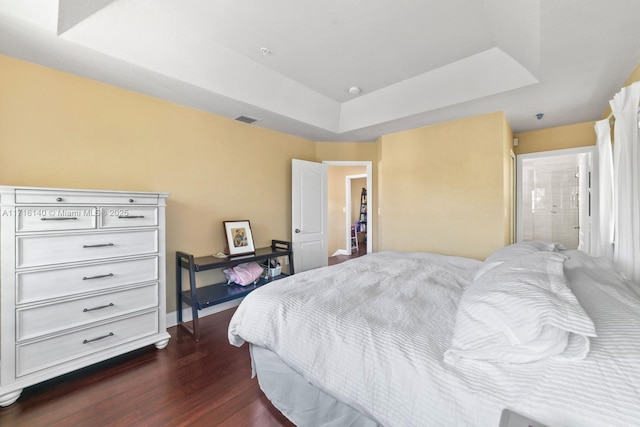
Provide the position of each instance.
(417, 62)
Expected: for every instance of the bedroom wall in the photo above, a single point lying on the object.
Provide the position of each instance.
(60, 130)
(508, 183)
(556, 138)
(442, 187)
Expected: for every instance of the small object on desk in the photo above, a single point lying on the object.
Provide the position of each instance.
(513, 419)
(272, 267)
(221, 255)
(274, 271)
(239, 237)
(244, 274)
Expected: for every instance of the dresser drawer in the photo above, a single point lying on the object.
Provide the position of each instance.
(46, 319)
(37, 355)
(77, 197)
(34, 251)
(33, 286)
(43, 218)
(129, 216)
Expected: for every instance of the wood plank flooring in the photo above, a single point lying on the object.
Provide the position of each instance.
(362, 250)
(187, 384)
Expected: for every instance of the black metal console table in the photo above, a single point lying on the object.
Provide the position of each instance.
(206, 296)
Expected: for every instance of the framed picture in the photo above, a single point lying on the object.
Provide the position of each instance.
(239, 238)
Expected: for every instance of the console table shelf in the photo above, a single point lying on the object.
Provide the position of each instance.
(217, 293)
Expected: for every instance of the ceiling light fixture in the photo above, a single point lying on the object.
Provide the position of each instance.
(354, 90)
(539, 116)
(265, 51)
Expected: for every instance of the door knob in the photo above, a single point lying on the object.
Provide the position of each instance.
(297, 230)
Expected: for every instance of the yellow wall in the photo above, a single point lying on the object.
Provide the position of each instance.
(443, 188)
(346, 151)
(508, 182)
(60, 130)
(557, 138)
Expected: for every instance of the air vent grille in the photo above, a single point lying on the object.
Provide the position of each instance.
(246, 119)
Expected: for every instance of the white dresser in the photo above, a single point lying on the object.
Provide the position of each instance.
(82, 280)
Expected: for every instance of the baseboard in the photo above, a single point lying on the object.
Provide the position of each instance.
(341, 252)
(172, 318)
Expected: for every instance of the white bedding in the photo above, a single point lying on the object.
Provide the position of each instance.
(372, 333)
(521, 311)
(302, 403)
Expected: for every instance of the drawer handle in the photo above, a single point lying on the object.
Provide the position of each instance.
(58, 199)
(98, 308)
(64, 218)
(131, 200)
(130, 216)
(99, 338)
(98, 277)
(100, 245)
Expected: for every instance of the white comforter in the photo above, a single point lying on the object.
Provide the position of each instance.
(372, 333)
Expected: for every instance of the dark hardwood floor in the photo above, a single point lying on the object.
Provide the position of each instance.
(362, 250)
(187, 384)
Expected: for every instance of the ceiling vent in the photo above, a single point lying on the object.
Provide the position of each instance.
(246, 119)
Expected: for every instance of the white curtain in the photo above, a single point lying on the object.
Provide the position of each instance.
(626, 179)
(602, 239)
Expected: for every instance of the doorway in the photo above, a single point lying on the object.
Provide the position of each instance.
(344, 202)
(554, 197)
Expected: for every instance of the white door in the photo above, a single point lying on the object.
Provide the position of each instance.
(309, 233)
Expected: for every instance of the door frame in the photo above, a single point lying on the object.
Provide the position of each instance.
(590, 149)
(513, 195)
(369, 174)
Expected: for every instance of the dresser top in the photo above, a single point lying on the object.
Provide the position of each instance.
(12, 189)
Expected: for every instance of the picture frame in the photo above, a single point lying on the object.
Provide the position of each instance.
(239, 237)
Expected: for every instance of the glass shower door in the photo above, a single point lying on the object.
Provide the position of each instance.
(550, 201)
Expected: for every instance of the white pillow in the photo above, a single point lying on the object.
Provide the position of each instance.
(520, 249)
(514, 251)
(521, 311)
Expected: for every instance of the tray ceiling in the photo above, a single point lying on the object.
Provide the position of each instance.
(291, 63)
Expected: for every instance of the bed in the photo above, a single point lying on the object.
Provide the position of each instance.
(421, 339)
